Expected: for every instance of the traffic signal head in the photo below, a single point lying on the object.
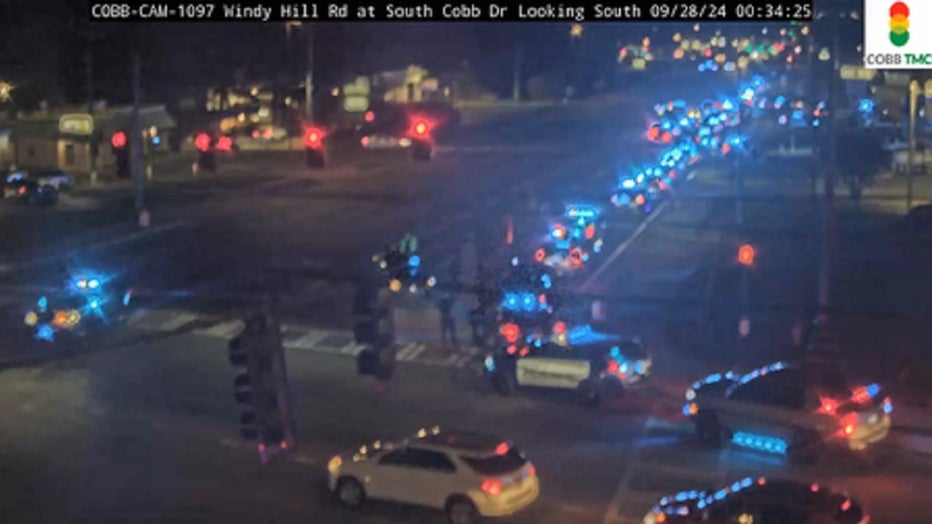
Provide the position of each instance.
(202, 142)
(746, 255)
(313, 138)
(118, 140)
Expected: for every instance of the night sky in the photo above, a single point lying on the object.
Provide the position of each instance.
(43, 44)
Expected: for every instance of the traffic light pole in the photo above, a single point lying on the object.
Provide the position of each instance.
(283, 392)
(136, 135)
(309, 75)
(89, 81)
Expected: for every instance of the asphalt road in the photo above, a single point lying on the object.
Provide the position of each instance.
(146, 425)
(149, 431)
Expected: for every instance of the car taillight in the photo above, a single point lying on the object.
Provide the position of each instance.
(510, 332)
(22, 189)
(849, 423)
(492, 487)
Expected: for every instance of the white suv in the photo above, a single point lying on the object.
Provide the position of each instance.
(468, 475)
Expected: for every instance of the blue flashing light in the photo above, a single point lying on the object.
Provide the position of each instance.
(866, 105)
(701, 68)
(780, 100)
(528, 302)
(127, 297)
(628, 183)
(721, 494)
(760, 442)
(156, 140)
(887, 406)
(511, 301)
(538, 343)
(686, 410)
(43, 302)
(562, 244)
(782, 120)
(514, 261)
(815, 123)
(46, 333)
(798, 114)
(414, 261)
(873, 390)
(747, 93)
(746, 483)
(615, 352)
(93, 283)
(546, 281)
(93, 303)
(757, 81)
(684, 122)
(490, 364)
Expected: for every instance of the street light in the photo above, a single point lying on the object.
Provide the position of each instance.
(576, 30)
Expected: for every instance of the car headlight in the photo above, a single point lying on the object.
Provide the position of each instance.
(334, 465)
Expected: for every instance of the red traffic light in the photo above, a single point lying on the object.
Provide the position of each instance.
(118, 140)
(202, 142)
(746, 255)
(313, 137)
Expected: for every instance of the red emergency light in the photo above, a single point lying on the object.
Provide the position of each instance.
(118, 140)
(202, 142)
(420, 127)
(225, 143)
(313, 137)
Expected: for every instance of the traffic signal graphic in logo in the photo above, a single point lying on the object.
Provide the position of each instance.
(899, 24)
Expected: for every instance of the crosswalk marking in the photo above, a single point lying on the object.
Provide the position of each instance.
(297, 337)
(417, 351)
(227, 329)
(404, 352)
(177, 321)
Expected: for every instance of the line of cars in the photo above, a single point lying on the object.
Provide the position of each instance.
(36, 188)
(538, 345)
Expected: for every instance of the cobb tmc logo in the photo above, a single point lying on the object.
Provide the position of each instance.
(888, 42)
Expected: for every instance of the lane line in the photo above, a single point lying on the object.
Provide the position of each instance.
(630, 240)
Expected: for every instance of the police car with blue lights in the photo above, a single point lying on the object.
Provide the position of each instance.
(573, 239)
(788, 410)
(595, 366)
(759, 501)
(89, 299)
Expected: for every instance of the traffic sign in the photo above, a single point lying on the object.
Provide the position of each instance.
(76, 124)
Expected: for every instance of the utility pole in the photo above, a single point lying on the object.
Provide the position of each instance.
(93, 145)
(914, 92)
(518, 65)
(309, 76)
(136, 134)
(739, 191)
(825, 342)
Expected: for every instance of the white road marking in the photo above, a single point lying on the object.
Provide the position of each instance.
(630, 240)
(177, 321)
(405, 351)
(352, 349)
(417, 351)
(307, 341)
(227, 329)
